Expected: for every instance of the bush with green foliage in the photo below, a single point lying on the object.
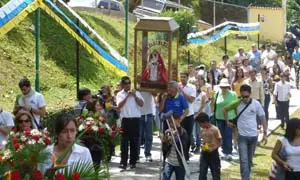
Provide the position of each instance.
(185, 19)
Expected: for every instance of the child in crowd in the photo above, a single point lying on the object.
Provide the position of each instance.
(211, 141)
(172, 159)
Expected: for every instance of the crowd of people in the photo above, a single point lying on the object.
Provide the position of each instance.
(221, 106)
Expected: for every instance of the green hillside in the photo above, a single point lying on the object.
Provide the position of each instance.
(57, 68)
(57, 64)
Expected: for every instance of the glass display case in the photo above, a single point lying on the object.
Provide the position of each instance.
(156, 43)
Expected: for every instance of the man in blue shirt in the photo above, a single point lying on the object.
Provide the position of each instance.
(255, 57)
(172, 100)
(296, 54)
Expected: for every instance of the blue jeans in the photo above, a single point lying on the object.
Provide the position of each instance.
(169, 169)
(196, 135)
(247, 147)
(226, 133)
(266, 105)
(146, 130)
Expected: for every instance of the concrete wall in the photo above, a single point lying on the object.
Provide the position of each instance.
(271, 22)
(118, 14)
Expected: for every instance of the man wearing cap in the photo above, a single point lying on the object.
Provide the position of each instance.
(221, 99)
(129, 102)
(84, 96)
(254, 57)
(248, 110)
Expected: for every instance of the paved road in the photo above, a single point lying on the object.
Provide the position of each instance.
(150, 170)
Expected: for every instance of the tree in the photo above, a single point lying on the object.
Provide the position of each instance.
(293, 11)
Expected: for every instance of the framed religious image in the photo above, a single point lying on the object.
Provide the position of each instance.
(155, 53)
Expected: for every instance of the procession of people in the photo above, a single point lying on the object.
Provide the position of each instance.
(212, 110)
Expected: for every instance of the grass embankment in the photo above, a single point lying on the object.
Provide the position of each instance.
(57, 58)
(262, 158)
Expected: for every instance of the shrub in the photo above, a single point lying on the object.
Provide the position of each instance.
(185, 19)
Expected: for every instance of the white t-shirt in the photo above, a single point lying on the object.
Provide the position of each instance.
(6, 120)
(149, 105)
(247, 125)
(190, 90)
(197, 101)
(36, 101)
(130, 109)
(79, 153)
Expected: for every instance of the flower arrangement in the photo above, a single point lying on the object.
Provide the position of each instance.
(98, 125)
(23, 151)
(99, 136)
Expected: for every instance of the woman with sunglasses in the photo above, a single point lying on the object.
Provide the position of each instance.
(23, 121)
(287, 150)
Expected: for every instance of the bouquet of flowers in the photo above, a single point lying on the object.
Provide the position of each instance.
(98, 137)
(23, 151)
(97, 128)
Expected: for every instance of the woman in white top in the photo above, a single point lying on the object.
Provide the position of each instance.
(65, 134)
(287, 150)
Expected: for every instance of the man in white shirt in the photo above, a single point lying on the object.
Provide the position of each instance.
(6, 123)
(146, 124)
(188, 91)
(282, 93)
(238, 57)
(268, 56)
(30, 101)
(248, 110)
(129, 102)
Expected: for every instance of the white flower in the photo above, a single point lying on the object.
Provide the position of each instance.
(35, 132)
(89, 119)
(11, 133)
(81, 127)
(94, 128)
(41, 141)
(4, 142)
(7, 154)
(23, 138)
(31, 141)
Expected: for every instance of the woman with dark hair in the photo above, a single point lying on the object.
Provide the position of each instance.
(96, 108)
(23, 121)
(287, 150)
(238, 81)
(246, 67)
(65, 129)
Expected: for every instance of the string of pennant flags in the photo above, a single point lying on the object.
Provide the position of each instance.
(15, 11)
(222, 30)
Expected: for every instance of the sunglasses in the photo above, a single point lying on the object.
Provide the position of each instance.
(245, 97)
(25, 120)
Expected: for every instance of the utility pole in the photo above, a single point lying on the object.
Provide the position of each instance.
(37, 49)
(284, 15)
(126, 28)
(214, 13)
